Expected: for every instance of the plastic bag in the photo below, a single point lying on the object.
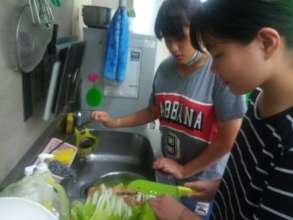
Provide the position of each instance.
(41, 188)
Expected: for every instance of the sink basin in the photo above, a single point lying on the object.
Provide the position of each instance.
(121, 153)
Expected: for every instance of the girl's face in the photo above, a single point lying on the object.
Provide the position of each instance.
(241, 67)
(180, 49)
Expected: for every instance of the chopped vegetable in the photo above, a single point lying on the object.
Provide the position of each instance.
(117, 203)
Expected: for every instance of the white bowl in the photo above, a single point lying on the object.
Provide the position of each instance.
(12, 208)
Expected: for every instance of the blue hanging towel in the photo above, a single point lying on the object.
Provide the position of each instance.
(115, 66)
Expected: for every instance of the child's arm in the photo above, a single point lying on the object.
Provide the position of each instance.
(222, 144)
(138, 118)
(167, 208)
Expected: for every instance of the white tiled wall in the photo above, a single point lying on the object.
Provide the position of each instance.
(17, 136)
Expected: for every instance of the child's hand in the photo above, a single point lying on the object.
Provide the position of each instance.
(167, 208)
(204, 190)
(105, 119)
(169, 166)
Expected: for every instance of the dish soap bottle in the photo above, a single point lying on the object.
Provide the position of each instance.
(40, 167)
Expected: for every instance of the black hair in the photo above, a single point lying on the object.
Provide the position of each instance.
(173, 15)
(240, 20)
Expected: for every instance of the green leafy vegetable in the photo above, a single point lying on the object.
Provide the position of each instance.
(104, 204)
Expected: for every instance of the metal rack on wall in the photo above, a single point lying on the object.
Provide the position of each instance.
(38, 99)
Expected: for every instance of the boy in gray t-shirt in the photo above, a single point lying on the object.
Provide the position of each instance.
(190, 108)
(199, 117)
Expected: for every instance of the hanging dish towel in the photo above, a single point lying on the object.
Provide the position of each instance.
(115, 66)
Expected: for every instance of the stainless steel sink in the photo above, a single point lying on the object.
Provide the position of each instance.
(117, 152)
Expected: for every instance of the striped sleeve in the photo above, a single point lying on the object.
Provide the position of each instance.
(277, 202)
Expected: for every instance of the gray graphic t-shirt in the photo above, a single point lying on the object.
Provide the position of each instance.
(190, 107)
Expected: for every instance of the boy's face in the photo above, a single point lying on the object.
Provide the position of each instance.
(241, 67)
(180, 49)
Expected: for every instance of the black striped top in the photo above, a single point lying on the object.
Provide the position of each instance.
(258, 180)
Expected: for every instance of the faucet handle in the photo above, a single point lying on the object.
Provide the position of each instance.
(82, 117)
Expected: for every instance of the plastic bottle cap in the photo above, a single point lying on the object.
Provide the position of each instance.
(43, 157)
(43, 166)
(28, 171)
